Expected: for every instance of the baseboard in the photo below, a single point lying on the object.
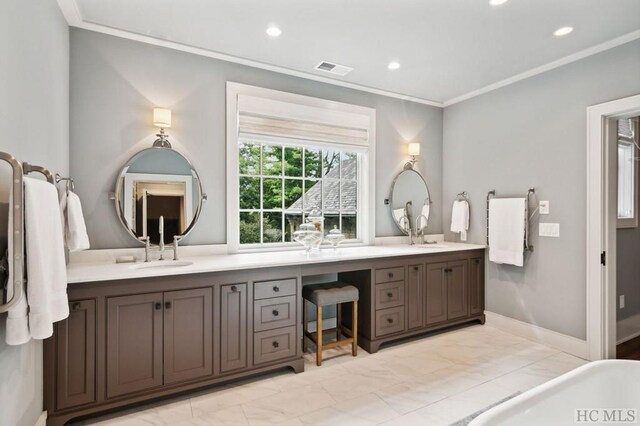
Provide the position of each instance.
(627, 329)
(559, 341)
(42, 420)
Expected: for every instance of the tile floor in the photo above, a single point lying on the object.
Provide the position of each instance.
(435, 380)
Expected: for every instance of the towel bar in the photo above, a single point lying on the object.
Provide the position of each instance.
(16, 263)
(527, 246)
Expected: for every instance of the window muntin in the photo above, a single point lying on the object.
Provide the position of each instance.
(279, 184)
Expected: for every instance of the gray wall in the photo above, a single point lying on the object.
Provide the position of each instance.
(115, 83)
(34, 123)
(533, 133)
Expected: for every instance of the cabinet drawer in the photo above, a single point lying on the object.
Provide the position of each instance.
(269, 289)
(389, 274)
(273, 345)
(390, 295)
(389, 321)
(274, 313)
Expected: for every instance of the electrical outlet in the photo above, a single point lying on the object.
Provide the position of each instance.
(549, 230)
(622, 301)
(544, 207)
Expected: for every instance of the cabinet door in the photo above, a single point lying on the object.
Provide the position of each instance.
(415, 296)
(76, 355)
(233, 327)
(476, 286)
(134, 343)
(457, 289)
(436, 294)
(188, 328)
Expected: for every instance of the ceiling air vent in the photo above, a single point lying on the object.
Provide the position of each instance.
(333, 68)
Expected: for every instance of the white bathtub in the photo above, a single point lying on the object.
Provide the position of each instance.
(595, 388)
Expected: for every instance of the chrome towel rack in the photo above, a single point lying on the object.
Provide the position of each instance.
(16, 263)
(70, 184)
(527, 246)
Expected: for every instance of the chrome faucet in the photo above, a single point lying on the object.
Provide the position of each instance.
(420, 229)
(161, 231)
(176, 239)
(407, 228)
(147, 246)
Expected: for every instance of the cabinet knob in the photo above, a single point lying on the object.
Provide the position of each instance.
(477, 261)
(158, 306)
(390, 320)
(275, 312)
(276, 288)
(415, 268)
(167, 305)
(234, 288)
(275, 344)
(76, 306)
(390, 274)
(389, 294)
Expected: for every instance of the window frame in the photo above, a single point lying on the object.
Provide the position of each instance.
(631, 222)
(366, 163)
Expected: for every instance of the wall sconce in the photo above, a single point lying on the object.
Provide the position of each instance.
(413, 150)
(162, 119)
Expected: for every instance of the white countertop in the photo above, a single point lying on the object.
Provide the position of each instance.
(105, 270)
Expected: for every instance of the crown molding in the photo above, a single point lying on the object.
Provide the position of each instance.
(74, 18)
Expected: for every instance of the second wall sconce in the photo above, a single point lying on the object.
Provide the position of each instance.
(162, 119)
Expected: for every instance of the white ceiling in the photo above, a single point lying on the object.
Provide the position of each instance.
(448, 49)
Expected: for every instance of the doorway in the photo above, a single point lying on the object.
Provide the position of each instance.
(602, 223)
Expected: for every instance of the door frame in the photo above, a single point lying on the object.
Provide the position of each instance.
(601, 285)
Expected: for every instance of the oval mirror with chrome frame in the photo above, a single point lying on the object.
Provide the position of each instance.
(409, 201)
(158, 192)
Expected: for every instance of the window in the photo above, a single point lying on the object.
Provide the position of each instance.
(278, 184)
(288, 155)
(627, 174)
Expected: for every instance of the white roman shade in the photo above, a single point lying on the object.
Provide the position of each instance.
(268, 117)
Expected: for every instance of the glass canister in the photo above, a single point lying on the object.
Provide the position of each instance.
(335, 237)
(315, 217)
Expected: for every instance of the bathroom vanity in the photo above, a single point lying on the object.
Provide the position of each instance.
(138, 333)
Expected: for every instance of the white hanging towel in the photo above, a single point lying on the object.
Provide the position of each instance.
(507, 220)
(17, 331)
(425, 212)
(46, 270)
(74, 228)
(460, 218)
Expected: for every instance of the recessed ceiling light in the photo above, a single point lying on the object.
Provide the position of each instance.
(393, 65)
(274, 31)
(497, 2)
(562, 31)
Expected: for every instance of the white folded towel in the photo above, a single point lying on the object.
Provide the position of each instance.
(74, 228)
(17, 331)
(400, 215)
(507, 221)
(46, 270)
(425, 212)
(460, 218)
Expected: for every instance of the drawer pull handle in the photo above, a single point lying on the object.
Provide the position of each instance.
(275, 312)
(390, 274)
(167, 305)
(389, 295)
(390, 320)
(158, 306)
(448, 270)
(275, 344)
(276, 288)
(76, 306)
(415, 268)
(234, 288)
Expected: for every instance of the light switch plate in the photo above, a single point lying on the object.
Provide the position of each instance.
(544, 207)
(549, 230)
(622, 301)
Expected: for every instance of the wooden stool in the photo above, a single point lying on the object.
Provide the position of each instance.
(334, 293)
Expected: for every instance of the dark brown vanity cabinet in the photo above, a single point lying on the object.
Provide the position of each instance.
(420, 294)
(76, 355)
(233, 327)
(156, 339)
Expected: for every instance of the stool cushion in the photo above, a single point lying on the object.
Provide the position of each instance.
(330, 293)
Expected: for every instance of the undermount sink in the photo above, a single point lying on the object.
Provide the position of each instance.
(431, 246)
(163, 264)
